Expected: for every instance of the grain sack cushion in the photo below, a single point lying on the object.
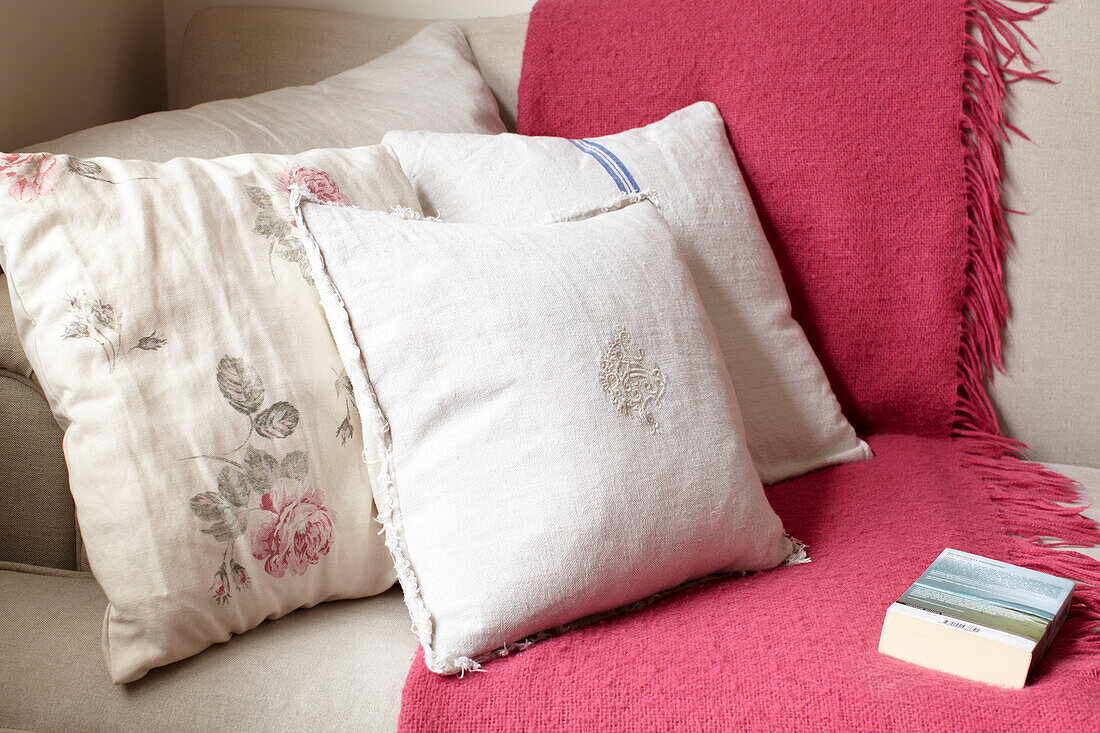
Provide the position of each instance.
(211, 435)
(792, 419)
(559, 433)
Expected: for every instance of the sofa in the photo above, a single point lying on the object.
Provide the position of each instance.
(341, 665)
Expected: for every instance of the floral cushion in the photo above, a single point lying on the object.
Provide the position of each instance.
(211, 434)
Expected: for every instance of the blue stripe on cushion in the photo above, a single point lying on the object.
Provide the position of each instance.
(619, 164)
(583, 145)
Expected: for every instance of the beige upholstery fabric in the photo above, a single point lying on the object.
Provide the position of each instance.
(338, 666)
(1050, 398)
(37, 517)
(12, 358)
(1088, 480)
(228, 52)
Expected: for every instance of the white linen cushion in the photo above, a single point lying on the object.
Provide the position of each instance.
(792, 418)
(559, 435)
(210, 435)
(430, 82)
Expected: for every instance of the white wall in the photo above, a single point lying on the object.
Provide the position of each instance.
(178, 12)
(70, 64)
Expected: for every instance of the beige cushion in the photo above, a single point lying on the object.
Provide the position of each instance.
(213, 452)
(37, 518)
(228, 51)
(12, 358)
(428, 82)
(336, 666)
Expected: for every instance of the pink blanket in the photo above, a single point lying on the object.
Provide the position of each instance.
(794, 648)
(869, 134)
(845, 117)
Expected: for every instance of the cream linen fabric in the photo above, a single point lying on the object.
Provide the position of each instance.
(428, 83)
(211, 438)
(559, 433)
(792, 419)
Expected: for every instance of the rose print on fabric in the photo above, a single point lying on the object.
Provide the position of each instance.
(295, 530)
(346, 431)
(101, 323)
(274, 222)
(633, 383)
(269, 502)
(30, 175)
(33, 175)
(318, 183)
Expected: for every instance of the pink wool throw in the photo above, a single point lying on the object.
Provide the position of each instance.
(869, 133)
(793, 648)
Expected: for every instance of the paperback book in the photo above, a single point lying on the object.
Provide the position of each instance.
(977, 618)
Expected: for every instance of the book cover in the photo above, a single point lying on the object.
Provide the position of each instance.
(995, 601)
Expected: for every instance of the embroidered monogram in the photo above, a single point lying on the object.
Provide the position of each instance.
(633, 383)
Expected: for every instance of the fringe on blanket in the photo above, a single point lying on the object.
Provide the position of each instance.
(1030, 499)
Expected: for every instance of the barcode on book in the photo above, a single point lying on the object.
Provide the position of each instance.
(961, 625)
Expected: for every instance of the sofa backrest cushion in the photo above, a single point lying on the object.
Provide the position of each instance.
(228, 52)
(430, 82)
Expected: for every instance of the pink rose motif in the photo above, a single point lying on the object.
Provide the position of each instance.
(30, 175)
(296, 530)
(240, 575)
(316, 182)
(221, 586)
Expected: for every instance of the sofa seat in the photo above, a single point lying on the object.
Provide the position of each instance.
(337, 666)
